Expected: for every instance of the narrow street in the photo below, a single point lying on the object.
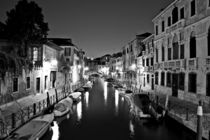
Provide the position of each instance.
(104, 114)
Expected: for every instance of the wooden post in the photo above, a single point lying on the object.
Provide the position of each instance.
(13, 120)
(34, 106)
(199, 121)
(187, 114)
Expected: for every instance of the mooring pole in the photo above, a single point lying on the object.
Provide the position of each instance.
(199, 121)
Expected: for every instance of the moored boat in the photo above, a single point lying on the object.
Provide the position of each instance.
(75, 96)
(63, 107)
(34, 129)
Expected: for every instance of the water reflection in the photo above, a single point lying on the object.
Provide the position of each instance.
(79, 111)
(105, 92)
(87, 98)
(116, 101)
(131, 128)
(55, 129)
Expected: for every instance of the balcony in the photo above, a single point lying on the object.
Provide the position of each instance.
(156, 66)
(176, 26)
(193, 63)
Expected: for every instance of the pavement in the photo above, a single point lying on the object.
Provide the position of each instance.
(12, 107)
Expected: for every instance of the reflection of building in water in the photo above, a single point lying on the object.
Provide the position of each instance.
(131, 128)
(105, 92)
(87, 98)
(79, 111)
(55, 129)
(116, 100)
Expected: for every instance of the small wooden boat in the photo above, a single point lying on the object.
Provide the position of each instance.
(63, 107)
(34, 129)
(75, 96)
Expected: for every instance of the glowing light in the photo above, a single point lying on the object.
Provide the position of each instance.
(79, 66)
(79, 111)
(133, 66)
(87, 98)
(105, 92)
(86, 69)
(55, 129)
(116, 100)
(54, 62)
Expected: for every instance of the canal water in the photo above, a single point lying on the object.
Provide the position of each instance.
(103, 114)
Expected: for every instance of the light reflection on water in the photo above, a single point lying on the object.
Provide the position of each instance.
(116, 101)
(87, 98)
(79, 111)
(105, 92)
(55, 129)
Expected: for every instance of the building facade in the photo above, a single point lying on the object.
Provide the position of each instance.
(182, 39)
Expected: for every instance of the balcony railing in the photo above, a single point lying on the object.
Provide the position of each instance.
(193, 63)
(177, 25)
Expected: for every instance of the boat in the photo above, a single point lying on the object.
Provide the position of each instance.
(75, 96)
(63, 107)
(88, 85)
(34, 129)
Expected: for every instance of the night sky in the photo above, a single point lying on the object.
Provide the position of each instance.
(97, 26)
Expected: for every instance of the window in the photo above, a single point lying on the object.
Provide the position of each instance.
(208, 84)
(169, 21)
(163, 26)
(182, 51)
(175, 15)
(147, 62)
(182, 13)
(209, 3)
(152, 61)
(192, 46)
(156, 78)
(35, 54)
(45, 82)
(163, 53)
(192, 7)
(144, 81)
(156, 29)
(192, 87)
(127, 50)
(143, 62)
(175, 47)
(67, 52)
(208, 42)
(168, 79)
(147, 78)
(162, 78)
(169, 53)
(181, 81)
(15, 84)
(38, 84)
(27, 82)
(156, 55)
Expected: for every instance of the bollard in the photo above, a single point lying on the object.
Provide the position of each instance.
(187, 114)
(199, 121)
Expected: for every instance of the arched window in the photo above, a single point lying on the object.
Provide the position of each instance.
(208, 42)
(175, 15)
(175, 47)
(192, 45)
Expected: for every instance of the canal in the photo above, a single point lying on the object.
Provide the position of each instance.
(103, 114)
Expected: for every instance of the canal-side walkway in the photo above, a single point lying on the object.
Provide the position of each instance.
(184, 112)
(16, 113)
